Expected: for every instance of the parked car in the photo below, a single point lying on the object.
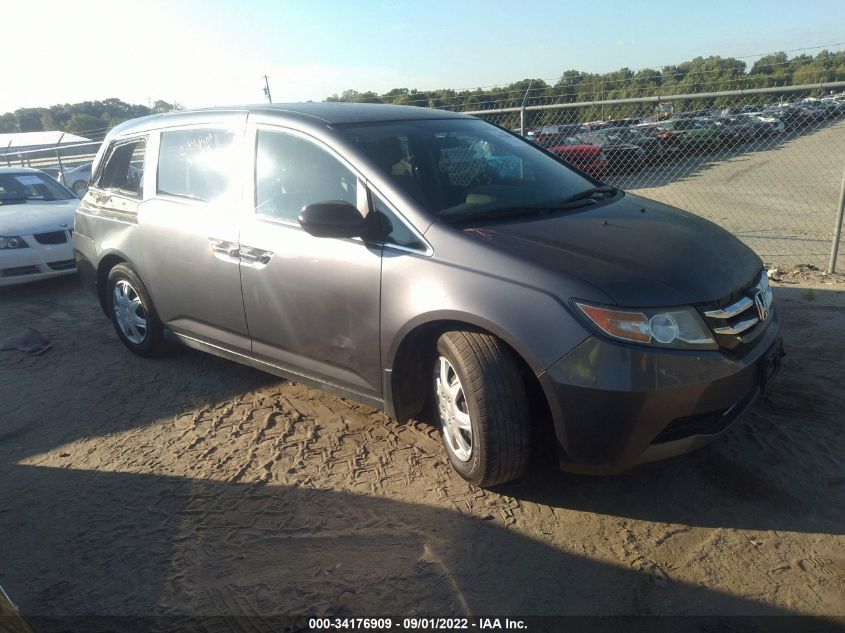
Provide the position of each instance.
(52, 172)
(555, 134)
(36, 220)
(823, 109)
(655, 149)
(765, 124)
(588, 158)
(77, 178)
(366, 261)
(622, 157)
(793, 117)
(737, 129)
(695, 135)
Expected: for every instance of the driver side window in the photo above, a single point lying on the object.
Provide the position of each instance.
(292, 172)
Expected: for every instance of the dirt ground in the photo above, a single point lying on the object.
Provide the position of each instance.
(189, 485)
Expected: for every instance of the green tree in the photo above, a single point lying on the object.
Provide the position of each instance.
(85, 125)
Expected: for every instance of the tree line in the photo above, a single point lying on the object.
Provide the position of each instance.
(702, 74)
(91, 119)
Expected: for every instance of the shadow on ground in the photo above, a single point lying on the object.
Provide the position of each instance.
(99, 543)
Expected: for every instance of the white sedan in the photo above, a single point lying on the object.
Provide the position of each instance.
(36, 222)
(76, 179)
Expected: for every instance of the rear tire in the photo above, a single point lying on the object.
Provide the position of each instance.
(482, 408)
(132, 313)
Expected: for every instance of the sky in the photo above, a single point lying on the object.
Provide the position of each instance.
(214, 52)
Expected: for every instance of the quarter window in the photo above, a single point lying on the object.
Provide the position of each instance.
(196, 164)
(394, 230)
(123, 169)
(292, 172)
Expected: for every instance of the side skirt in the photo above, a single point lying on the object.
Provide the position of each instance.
(282, 372)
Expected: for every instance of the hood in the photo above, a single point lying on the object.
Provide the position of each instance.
(40, 217)
(637, 251)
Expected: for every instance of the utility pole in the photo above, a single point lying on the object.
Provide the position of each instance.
(267, 89)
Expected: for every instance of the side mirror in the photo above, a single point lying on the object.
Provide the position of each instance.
(333, 218)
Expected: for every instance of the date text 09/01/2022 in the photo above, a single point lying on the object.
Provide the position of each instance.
(416, 624)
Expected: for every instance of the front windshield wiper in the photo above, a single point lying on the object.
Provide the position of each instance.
(589, 193)
(576, 200)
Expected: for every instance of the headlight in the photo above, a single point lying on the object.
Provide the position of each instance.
(12, 241)
(677, 328)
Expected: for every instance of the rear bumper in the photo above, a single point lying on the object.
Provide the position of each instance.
(616, 405)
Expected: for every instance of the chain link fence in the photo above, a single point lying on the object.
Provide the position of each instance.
(766, 164)
(69, 163)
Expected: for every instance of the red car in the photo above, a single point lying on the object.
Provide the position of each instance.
(588, 158)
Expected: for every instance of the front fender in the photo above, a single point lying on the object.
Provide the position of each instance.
(417, 290)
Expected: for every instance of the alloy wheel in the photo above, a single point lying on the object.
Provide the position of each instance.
(129, 312)
(453, 410)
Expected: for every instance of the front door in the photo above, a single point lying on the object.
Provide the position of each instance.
(312, 304)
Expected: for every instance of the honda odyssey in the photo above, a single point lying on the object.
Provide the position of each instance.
(430, 263)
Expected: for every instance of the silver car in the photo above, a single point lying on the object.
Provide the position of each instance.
(436, 266)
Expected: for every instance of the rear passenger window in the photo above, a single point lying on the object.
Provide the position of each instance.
(123, 169)
(292, 172)
(197, 164)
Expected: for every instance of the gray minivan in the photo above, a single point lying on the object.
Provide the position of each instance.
(430, 264)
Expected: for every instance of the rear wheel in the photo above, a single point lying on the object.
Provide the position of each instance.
(482, 407)
(132, 312)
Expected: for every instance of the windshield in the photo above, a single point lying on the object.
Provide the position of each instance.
(456, 167)
(31, 186)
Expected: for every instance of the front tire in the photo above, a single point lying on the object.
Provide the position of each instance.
(132, 312)
(482, 408)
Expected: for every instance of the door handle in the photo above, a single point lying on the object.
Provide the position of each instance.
(254, 256)
(223, 250)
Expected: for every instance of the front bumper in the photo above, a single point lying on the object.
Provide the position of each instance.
(616, 405)
(38, 261)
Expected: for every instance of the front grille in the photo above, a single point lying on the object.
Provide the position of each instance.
(742, 317)
(53, 237)
(65, 264)
(19, 271)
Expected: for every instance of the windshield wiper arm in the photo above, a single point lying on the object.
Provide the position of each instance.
(589, 193)
(579, 199)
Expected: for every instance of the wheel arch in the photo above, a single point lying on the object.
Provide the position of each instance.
(106, 262)
(406, 383)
